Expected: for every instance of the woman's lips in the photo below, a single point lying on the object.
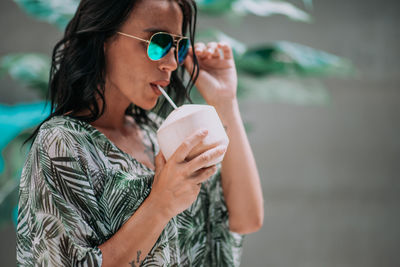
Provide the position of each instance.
(155, 89)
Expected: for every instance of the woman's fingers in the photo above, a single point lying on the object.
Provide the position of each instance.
(184, 149)
(203, 174)
(226, 50)
(213, 50)
(205, 158)
(159, 162)
(199, 49)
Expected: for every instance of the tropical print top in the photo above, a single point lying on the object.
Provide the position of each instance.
(77, 189)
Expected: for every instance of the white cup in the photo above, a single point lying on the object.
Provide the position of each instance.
(186, 120)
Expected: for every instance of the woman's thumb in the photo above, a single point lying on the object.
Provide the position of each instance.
(188, 63)
(159, 161)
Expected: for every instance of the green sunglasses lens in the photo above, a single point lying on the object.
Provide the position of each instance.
(183, 50)
(159, 46)
(161, 43)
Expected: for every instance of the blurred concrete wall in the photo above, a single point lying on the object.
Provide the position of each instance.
(331, 173)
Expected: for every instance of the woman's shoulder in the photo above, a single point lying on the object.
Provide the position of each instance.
(63, 129)
(64, 122)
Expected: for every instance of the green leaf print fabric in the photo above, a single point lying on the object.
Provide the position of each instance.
(77, 189)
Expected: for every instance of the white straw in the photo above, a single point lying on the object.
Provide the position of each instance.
(167, 97)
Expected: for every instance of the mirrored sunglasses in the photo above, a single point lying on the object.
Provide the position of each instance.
(161, 42)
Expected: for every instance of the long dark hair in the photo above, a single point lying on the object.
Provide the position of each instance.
(77, 74)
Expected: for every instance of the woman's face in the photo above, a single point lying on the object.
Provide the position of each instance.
(129, 71)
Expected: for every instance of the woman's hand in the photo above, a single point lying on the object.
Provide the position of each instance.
(217, 81)
(177, 182)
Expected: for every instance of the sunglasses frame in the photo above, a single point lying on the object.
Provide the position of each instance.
(175, 43)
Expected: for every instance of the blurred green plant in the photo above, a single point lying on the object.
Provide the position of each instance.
(15, 124)
(57, 12)
(254, 7)
(278, 71)
(30, 69)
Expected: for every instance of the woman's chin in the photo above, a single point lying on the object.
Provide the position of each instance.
(148, 105)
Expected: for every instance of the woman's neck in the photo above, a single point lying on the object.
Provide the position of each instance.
(113, 117)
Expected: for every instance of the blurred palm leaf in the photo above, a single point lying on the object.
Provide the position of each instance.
(214, 6)
(9, 178)
(58, 12)
(272, 7)
(14, 122)
(282, 58)
(262, 8)
(31, 69)
(17, 118)
(286, 58)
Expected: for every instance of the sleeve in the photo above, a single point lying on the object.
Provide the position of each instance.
(55, 200)
(226, 247)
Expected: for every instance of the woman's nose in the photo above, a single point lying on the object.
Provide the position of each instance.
(169, 61)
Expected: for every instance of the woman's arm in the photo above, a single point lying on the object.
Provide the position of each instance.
(175, 187)
(239, 175)
(217, 83)
(136, 237)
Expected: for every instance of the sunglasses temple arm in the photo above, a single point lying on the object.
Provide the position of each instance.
(134, 37)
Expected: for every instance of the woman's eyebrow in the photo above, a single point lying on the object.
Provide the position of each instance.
(154, 30)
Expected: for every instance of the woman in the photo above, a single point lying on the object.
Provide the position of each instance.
(92, 191)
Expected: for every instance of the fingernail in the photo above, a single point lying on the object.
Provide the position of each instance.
(204, 132)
